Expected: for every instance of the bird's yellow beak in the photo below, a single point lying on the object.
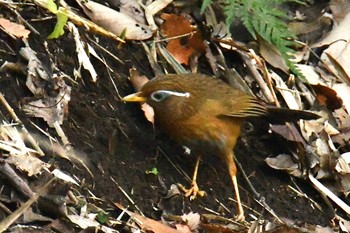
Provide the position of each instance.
(134, 98)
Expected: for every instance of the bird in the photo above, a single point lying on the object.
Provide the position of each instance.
(204, 114)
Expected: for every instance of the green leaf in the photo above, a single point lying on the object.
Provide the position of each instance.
(102, 217)
(58, 31)
(51, 6)
(205, 4)
(153, 171)
(266, 19)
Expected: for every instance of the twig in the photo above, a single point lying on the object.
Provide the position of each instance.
(212, 217)
(9, 6)
(112, 81)
(9, 174)
(127, 196)
(222, 205)
(5, 209)
(6, 222)
(152, 58)
(211, 211)
(18, 121)
(257, 195)
(177, 168)
(257, 76)
(324, 190)
(305, 196)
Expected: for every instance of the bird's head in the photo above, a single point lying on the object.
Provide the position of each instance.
(168, 93)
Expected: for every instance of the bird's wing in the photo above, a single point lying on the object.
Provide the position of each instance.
(243, 105)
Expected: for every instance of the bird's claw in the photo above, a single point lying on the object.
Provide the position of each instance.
(192, 192)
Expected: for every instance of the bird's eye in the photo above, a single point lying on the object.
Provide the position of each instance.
(159, 96)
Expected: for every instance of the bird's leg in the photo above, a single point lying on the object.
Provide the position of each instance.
(233, 171)
(240, 211)
(194, 191)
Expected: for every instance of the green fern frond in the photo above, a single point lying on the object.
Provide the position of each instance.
(264, 18)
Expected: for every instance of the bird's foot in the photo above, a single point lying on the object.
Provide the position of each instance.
(192, 192)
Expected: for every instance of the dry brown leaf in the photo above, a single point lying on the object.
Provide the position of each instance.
(51, 109)
(192, 220)
(116, 22)
(147, 224)
(137, 82)
(181, 53)
(136, 79)
(284, 162)
(27, 163)
(313, 30)
(133, 9)
(148, 111)
(14, 29)
(289, 133)
(339, 9)
(339, 49)
(343, 164)
(327, 96)
(343, 91)
(183, 228)
(271, 54)
(182, 48)
(212, 227)
(309, 128)
(82, 54)
(54, 93)
(343, 122)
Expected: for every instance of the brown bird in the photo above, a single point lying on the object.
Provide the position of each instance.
(202, 113)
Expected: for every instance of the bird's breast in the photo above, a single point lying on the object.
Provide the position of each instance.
(205, 133)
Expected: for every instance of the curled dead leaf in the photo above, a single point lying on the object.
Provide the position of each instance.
(284, 162)
(327, 96)
(137, 82)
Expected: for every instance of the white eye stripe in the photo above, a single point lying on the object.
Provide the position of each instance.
(175, 93)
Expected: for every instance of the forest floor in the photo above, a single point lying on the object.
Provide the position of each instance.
(115, 148)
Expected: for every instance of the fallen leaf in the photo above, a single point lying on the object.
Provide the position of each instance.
(313, 30)
(310, 74)
(83, 58)
(133, 9)
(14, 29)
(116, 22)
(137, 82)
(291, 97)
(289, 133)
(327, 96)
(344, 224)
(343, 164)
(343, 91)
(339, 9)
(284, 162)
(147, 224)
(339, 49)
(192, 220)
(271, 54)
(27, 163)
(190, 42)
(148, 111)
(136, 79)
(182, 228)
